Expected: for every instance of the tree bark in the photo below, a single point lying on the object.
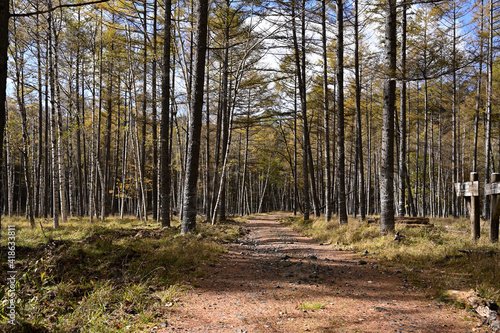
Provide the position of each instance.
(479, 86)
(326, 115)
(194, 130)
(487, 143)
(165, 121)
(387, 162)
(301, 86)
(342, 208)
(359, 142)
(402, 120)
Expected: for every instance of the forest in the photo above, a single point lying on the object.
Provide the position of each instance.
(149, 108)
(165, 160)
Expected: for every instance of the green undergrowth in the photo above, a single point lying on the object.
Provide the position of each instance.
(311, 306)
(430, 258)
(104, 276)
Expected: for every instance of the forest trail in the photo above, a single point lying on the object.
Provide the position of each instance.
(273, 279)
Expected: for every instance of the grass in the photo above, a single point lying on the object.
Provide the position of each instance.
(104, 276)
(311, 306)
(429, 257)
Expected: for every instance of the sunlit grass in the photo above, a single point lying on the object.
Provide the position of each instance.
(311, 306)
(430, 257)
(106, 275)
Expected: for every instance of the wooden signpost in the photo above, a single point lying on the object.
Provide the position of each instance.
(470, 190)
(493, 190)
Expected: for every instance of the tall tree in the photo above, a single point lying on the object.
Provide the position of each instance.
(195, 113)
(341, 197)
(402, 118)
(387, 163)
(359, 143)
(326, 113)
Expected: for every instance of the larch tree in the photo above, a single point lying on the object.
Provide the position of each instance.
(387, 158)
(165, 121)
(341, 195)
(195, 119)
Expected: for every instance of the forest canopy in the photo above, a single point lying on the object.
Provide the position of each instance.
(354, 107)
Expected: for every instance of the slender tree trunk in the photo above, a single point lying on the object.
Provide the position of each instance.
(489, 91)
(155, 112)
(402, 119)
(53, 127)
(295, 153)
(225, 117)
(326, 112)
(19, 82)
(359, 143)
(426, 127)
(165, 121)
(59, 147)
(456, 134)
(144, 107)
(387, 172)
(342, 208)
(38, 195)
(479, 85)
(79, 113)
(302, 93)
(194, 130)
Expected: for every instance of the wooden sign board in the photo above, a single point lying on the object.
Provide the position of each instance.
(468, 189)
(492, 188)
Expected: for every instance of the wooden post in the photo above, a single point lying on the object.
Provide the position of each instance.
(475, 211)
(470, 191)
(495, 210)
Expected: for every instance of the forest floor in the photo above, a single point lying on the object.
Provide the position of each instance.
(276, 280)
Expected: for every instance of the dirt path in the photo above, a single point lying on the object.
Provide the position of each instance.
(260, 283)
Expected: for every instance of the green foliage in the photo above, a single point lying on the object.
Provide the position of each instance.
(311, 306)
(117, 274)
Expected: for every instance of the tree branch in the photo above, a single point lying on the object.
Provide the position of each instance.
(56, 7)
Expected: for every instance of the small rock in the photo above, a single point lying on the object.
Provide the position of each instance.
(365, 252)
(361, 262)
(380, 309)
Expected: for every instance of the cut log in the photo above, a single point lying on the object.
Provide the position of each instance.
(485, 252)
(412, 220)
(418, 221)
(429, 226)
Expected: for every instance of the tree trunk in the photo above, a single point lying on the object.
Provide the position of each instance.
(402, 120)
(479, 85)
(60, 159)
(387, 172)
(194, 130)
(326, 112)
(155, 113)
(53, 127)
(359, 143)
(487, 143)
(342, 208)
(165, 121)
(302, 94)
